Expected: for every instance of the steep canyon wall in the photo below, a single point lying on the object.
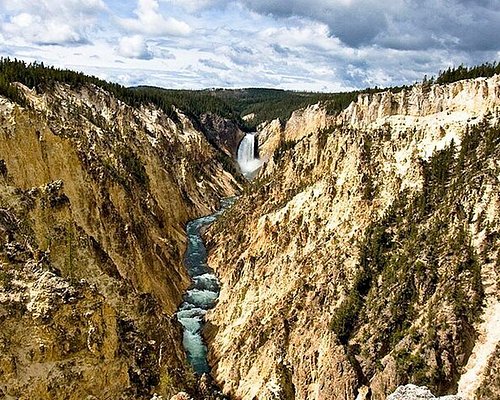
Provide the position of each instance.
(94, 196)
(365, 254)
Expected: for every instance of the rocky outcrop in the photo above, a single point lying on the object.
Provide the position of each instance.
(362, 256)
(471, 97)
(127, 173)
(71, 327)
(412, 392)
(269, 136)
(301, 123)
(94, 196)
(223, 132)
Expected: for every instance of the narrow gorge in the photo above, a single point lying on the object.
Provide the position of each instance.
(202, 294)
(94, 198)
(345, 249)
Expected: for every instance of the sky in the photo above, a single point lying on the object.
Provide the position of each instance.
(314, 45)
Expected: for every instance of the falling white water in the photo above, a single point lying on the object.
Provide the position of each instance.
(246, 155)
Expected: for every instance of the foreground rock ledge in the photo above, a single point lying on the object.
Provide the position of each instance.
(413, 392)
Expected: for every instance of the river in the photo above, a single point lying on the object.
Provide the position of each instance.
(202, 294)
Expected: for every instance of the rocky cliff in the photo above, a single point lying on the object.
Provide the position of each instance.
(302, 122)
(225, 133)
(94, 196)
(365, 255)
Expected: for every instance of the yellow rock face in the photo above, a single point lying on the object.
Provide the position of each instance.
(94, 196)
(336, 279)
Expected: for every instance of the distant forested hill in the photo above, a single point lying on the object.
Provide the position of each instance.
(265, 104)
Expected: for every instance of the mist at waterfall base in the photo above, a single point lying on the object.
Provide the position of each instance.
(202, 294)
(249, 164)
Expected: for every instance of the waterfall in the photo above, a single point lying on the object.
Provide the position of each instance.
(247, 160)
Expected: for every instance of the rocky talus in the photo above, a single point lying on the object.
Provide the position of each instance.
(365, 254)
(94, 196)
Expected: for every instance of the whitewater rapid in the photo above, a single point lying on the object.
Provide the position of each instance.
(201, 295)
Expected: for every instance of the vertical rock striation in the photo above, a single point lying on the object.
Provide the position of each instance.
(365, 253)
(94, 196)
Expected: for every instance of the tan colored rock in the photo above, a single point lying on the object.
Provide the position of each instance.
(269, 136)
(289, 252)
(94, 196)
(181, 396)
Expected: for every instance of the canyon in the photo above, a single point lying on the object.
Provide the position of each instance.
(94, 198)
(364, 255)
(360, 255)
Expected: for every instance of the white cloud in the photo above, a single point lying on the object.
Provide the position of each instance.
(150, 21)
(197, 5)
(48, 22)
(293, 44)
(312, 35)
(33, 29)
(213, 64)
(452, 24)
(134, 47)
(66, 7)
